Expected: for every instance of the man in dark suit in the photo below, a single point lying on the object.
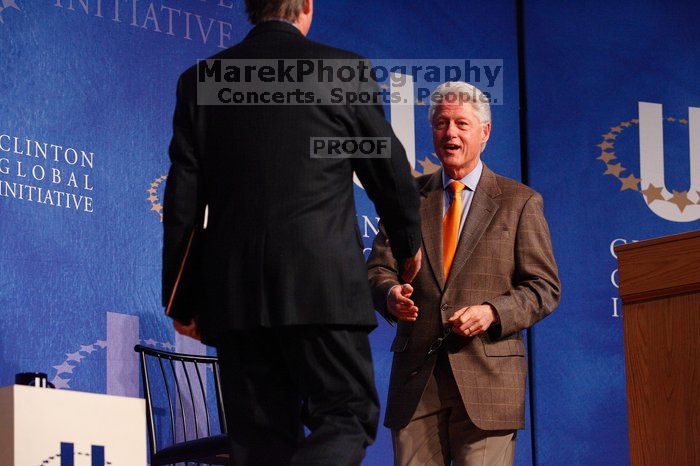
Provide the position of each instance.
(457, 388)
(285, 294)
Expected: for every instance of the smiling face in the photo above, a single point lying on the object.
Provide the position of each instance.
(458, 136)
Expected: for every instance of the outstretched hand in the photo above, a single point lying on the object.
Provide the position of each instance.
(411, 266)
(189, 330)
(400, 305)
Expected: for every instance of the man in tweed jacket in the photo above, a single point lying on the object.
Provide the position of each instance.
(491, 273)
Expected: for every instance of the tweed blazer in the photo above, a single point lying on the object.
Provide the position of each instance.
(504, 257)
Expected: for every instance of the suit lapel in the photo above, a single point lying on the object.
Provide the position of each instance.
(431, 224)
(481, 212)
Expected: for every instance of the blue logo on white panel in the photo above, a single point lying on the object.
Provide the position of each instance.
(68, 456)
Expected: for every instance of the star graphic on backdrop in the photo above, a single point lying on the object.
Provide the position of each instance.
(680, 198)
(64, 368)
(59, 382)
(653, 193)
(629, 182)
(683, 120)
(77, 357)
(5, 4)
(609, 136)
(101, 343)
(163, 178)
(626, 124)
(87, 349)
(616, 129)
(635, 120)
(670, 119)
(614, 170)
(168, 346)
(150, 342)
(607, 156)
(428, 166)
(605, 145)
(156, 207)
(152, 198)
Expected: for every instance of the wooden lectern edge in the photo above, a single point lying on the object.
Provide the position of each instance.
(630, 298)
(656, 241)
(637, 260)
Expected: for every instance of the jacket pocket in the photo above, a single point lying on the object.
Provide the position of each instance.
(510, 347)
(399, 344)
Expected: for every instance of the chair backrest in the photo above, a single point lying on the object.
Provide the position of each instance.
(177, 384)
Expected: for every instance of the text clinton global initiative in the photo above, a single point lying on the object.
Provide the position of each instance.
(44, 173)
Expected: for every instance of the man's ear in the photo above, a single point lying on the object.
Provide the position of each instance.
(308, 6)
(485, 132)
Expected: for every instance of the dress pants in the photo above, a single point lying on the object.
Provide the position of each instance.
(441, 433)
(277, 380)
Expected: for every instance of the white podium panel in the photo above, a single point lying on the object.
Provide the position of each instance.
(42, 426)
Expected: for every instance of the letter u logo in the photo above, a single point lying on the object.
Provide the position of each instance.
(651, 162)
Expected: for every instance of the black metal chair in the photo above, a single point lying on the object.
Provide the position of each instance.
(191, 434)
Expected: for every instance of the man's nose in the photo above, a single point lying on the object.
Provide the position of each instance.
(451, 130)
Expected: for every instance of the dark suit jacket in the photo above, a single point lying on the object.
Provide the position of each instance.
(282, 245)
(504, 257)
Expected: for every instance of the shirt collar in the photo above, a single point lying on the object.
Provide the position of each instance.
(470, 180)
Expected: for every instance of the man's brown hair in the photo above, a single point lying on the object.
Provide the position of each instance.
(262, 10)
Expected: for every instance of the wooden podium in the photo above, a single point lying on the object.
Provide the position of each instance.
(660, 291)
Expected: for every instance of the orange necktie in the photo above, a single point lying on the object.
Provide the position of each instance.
(450, 227)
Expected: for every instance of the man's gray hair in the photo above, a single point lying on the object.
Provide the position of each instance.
(263, 10)
(459, 91)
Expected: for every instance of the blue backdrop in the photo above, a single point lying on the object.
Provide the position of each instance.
(588, 66)
(87, 96)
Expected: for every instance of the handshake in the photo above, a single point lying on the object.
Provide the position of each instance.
(468, 321)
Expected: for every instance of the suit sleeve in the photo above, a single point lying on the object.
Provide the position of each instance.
(383, 273)
(388, 181)
(536, 289)
(181, 190)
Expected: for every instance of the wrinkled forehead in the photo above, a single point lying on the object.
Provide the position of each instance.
(454, 109)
